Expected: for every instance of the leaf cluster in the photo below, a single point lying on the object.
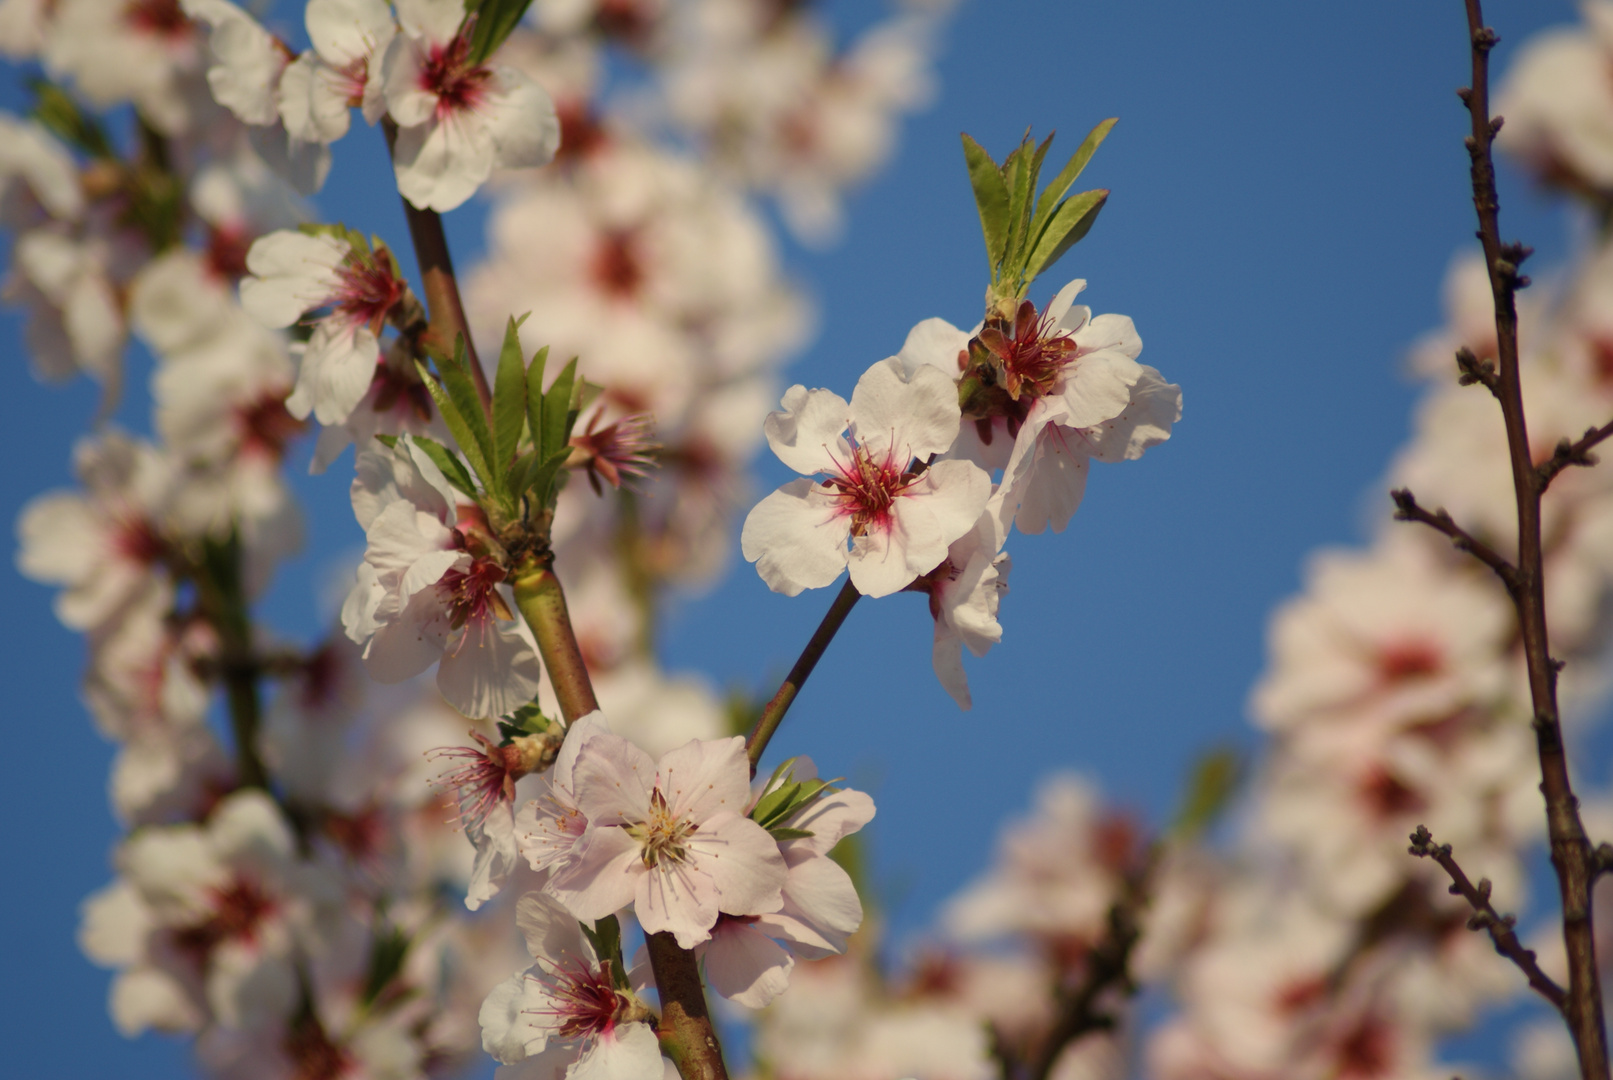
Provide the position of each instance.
(606, 938)
(527, 720)
(515, 458)
(1026, 233)
(784, 797)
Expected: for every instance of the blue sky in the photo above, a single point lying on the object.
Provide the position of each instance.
(1288, 185)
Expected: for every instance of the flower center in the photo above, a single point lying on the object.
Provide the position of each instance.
(480, 783)
(266, 426)
(866, 489)
(448, 73)
(617, 268)
(1408, 660)
(161, 18)
(472, 595)
(366, 291)
(663, 835)
(1030, 353)
(239, 908)
(582, 1000)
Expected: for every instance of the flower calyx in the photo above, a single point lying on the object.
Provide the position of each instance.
(783, 797)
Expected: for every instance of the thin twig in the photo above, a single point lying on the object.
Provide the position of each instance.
(773, 712)
(1485, 917)
(1573, 453)
(1571, 852)
(1407, 509)
(1476, 371)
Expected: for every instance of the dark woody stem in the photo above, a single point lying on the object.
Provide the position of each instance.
(773, 713)
(686, 1032)
(439, 284)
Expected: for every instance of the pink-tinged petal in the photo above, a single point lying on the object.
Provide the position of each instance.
(508, 1017)
(292, 273)
(879, 558)
(554, 1062)
(337, 368)
(427, 571)
(1110, 333)
(439, 164)
(955, 493)
(807, 434)
(313, 101)
(820, 893)
(409, 643)
(745, 965)
(409, 103)
(551, 932)
(1059, 307)
(1097, 387)
(581, 730)
(1155, 406)
(1051, 490)
(613, 780)
(491, 671)
(603, 877)
(342, 31)
(437, 21)
(496, 855)
(743, 861)
(705, 777)
(797, 538)
(830, 820)
(629, 1052)
(935, 343)
(909, 416)
(521, 119)
(946, 656)
(678, 898)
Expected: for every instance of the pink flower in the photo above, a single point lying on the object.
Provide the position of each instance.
(897, 515)
(669, 838)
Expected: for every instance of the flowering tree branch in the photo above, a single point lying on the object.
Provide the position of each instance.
(1571, 852)
(223, 603)
(543, 604)
(1485, 917)
(686, 1031)
(773, 712)
(441, 287)
(1407, 509)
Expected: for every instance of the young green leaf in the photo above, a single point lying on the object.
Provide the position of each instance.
(1070, 223)
(456, 380)
(453, 470)
(495, 21)
(542, 484)
(991, 198)
(1019, 173)
(556, 406)
(58, 112)
(784, 832)
(534, 400)
(457, 426)
(509, 397)
(1049, 200)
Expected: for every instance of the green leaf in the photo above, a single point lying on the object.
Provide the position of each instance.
(456, 379)
(534, 401)
(542, 485)
(1070, 223)
(453, 470)
(528, 719)
(1214, 781)
(495, 21)
(388, 441)
(784, 832)
(451, 416)
(1019, 173)
(509, 398)
(387, 951)
(1049, 200)
(991, 199)
(62, 116)
(606, 938)
(556, 407)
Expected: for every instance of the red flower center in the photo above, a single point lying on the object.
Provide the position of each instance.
(447, 73)
(367, 291)
(1030, 353)
(866, 489)
(472, 595)
(584, 1001)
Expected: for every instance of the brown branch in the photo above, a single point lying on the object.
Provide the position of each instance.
(1485, 917)
(1571, 853)
(773, 712)
(1476, 371)
(686, 1032)
(543, 604)
(1572, 453)
(441, 287)
(1407, 509)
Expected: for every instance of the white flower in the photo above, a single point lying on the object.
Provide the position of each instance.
(343, 69)
(965, 591)
(457, 121)
(247, 60)
(296, 273)
(566, 1010)
(429, 590)
(670, 838)
(897, 515)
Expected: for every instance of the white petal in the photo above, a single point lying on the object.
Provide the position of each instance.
(745, 965)
(913, 416)
(807, 434)
(489, 674)
(521, 119)
(336, 371)
(797, 538)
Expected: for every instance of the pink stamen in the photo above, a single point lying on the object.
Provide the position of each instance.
(585, 1001)
(866, 489)
(485, 780)
(447, 73)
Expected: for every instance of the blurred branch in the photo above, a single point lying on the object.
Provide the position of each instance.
(1485, 917)
(1407, 509)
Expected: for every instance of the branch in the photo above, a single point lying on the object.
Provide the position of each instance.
(1478, 371)
(1571, 853)
(439, 284)
(222, 601)
(686, 1032)
(543, 604)
(1573, 453)
(1407, 509)
(773, 712)
(1485, 917)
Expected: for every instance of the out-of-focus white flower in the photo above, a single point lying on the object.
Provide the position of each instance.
(118, 52)
(457, 121)
(343, 69)
(965, 591)
(1558, 102)
(247, 60)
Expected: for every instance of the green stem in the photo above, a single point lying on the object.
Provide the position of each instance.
(543, 604)
(773, 714)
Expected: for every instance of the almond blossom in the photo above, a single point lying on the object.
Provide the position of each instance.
(457, 121)
(898, 515)
(567, 1011)
(343, 69)
(432, 588)
(670, 838)
(965, 591)
(295, 273)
